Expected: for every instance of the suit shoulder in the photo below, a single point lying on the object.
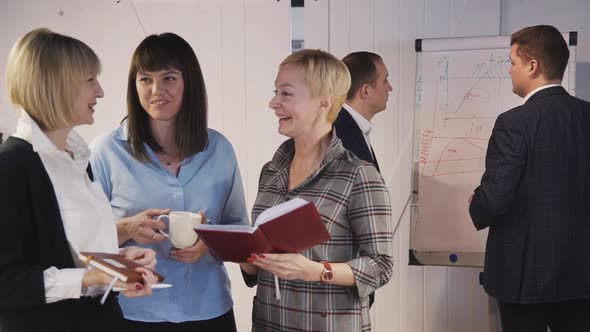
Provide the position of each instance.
(517, 116)
(15, 153)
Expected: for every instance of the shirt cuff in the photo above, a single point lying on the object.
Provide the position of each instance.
(61, 284)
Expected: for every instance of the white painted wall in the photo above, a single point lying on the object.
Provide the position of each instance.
(240, 43)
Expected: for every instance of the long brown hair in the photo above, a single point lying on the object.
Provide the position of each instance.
(159, 52)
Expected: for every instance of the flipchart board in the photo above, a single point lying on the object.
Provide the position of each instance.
(462, 85)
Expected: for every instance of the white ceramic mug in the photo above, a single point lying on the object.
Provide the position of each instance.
(181, 227)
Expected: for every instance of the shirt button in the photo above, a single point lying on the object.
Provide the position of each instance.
(324, 314)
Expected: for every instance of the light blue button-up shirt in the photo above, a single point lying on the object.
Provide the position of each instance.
(209, 181)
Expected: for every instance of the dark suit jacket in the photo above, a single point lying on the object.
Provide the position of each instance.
(32, 240)
(352, 137)
(535, 198)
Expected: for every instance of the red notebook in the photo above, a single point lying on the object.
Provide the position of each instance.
(290, 227)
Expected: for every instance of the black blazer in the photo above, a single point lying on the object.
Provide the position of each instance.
(535, 198)
(352, 137)
(32, 240)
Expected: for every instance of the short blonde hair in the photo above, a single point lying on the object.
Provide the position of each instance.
(43, 75)
(325, 75)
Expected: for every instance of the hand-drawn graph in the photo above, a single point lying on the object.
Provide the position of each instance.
(460, 96)
(455, 131)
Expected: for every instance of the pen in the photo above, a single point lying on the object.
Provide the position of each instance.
(154, 286)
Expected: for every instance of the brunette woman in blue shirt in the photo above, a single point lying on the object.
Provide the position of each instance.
(161, 158)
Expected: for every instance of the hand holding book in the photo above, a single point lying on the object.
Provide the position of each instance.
(116, 266)
(116, 270)
(290, 227)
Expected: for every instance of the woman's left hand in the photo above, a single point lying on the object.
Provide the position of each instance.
(145, 288)
(288, 266)
(142, 256)
(190, 254)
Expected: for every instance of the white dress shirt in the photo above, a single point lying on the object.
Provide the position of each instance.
(530, 94)
(364, 124)
(85, 211)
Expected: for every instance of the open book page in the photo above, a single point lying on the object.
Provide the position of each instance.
(228, 228)
(279, 210)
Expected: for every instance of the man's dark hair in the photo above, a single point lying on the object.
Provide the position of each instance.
(362, 70)
(545, 44)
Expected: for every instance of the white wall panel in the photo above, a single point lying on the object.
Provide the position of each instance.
(207, 25)
(233, 82)
(474, 18)
(316, 24)
(340, 27)
(436, 18)
(362, 25)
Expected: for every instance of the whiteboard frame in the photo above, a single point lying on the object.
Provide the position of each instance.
(447, 258)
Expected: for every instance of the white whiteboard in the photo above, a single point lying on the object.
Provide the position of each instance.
(462, 85)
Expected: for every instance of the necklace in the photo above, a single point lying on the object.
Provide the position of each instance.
(167, 159)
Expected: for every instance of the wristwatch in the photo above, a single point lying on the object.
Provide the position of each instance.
(327, 273)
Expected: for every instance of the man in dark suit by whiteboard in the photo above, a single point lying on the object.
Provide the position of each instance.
(535, 194)
(368, 94)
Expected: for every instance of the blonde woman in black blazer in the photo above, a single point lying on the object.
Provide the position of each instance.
(50, 208)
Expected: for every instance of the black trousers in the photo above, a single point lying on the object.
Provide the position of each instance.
(567, 316)
(223, 323)
(73, 315)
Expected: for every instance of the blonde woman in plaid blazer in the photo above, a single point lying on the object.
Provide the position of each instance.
(327, 287)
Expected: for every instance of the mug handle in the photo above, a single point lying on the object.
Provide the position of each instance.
(167, 224)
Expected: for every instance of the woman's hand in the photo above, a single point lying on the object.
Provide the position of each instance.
(190, 254)
(249, 268)
(95, 277)
(142, 227)
(142, 256)
(288, 266)
(144, 289)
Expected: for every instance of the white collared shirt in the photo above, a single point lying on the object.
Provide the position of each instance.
(530, 94)
(85, 211)
(364, 124)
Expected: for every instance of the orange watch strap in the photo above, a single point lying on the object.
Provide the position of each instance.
(327, 273)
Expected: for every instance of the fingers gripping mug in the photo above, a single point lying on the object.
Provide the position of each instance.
(180, 226)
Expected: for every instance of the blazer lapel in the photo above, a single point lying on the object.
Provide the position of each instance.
(352, 137)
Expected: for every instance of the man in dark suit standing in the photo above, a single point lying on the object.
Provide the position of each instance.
(368, 94)
(535, 194)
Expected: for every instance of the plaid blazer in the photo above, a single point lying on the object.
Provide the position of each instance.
(535, 198)
(354, 204)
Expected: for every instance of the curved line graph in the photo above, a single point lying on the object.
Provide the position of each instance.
(460, 147)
